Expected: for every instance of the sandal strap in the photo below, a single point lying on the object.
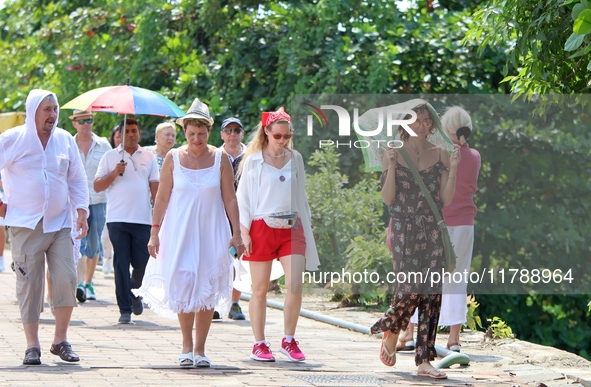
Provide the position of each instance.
(33, 350)
(64, 351)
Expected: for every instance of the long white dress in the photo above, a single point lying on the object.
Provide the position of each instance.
(193, 270)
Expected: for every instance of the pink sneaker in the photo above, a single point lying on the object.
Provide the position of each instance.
(261, 352)
(292, 351)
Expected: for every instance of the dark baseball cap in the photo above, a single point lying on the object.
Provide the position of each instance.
(231, 120)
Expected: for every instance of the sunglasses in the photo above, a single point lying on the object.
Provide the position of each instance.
(426, 123)
(278, 136)
(235, 130)
(88, 121)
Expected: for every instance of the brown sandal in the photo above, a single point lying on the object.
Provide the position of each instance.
(32, 356)
(64, 351)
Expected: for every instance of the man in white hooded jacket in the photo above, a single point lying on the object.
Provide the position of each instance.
(44, 180)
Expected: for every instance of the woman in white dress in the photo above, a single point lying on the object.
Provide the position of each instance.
(190, 238)
(276, 224)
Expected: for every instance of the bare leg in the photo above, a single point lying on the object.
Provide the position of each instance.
(257, 307)
(293, 266)
(405, 336)
(235, 295)
(62, 321)
(81, 268)
(454, 335)
(186, 323)
(202, 324)
(90, 268)
(32, 334)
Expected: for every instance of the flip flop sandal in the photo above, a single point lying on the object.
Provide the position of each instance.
(64, 351)
(202, 361)
(408, 346)
(32, 356)
(385, 354)
(433, 373)
(186, 360)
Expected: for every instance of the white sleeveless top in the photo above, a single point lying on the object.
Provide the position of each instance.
(193, 270)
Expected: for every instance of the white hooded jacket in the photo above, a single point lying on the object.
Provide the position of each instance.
(41, 183)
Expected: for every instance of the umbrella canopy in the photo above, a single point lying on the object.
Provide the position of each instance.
(374, 154)
(125, 100)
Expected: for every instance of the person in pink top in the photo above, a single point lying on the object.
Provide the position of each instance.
(459, 218)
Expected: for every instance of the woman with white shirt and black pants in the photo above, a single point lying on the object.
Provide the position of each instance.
(275, 223)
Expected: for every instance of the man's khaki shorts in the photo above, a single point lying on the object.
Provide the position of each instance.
(29, 250)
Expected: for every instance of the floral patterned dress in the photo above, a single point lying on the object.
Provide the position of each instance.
(417, 249)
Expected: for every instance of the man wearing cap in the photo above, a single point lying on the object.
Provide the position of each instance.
(91, 149)
(131, 175)
(232, 134)
(44, 182)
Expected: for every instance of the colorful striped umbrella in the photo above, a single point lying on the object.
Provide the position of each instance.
(125, 100)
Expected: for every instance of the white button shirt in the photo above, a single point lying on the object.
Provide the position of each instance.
(41, 183)
(129, 195)
(99, 147)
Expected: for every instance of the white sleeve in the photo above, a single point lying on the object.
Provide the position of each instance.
(6, 153)
(301, 189)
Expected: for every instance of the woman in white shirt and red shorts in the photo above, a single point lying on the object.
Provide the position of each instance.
(275, 223)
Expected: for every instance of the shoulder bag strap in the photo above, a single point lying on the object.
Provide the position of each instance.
(450, 254)
(421, 184)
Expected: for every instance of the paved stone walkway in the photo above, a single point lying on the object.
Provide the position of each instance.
(146, 353)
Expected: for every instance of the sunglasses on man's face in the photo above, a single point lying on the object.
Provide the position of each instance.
(278, 136)
(87, 121)
(229, 130)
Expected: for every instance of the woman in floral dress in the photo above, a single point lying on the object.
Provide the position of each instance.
(416, 239)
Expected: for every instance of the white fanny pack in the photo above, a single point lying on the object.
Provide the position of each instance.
(284, 219)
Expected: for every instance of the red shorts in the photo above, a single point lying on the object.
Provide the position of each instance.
(270, 243)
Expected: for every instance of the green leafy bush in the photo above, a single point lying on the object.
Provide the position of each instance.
(499, 329)
(560, 321)
(348, 227)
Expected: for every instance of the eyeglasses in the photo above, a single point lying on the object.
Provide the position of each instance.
(426, 123)
(229, 130)
(278, 136)
(88, 121)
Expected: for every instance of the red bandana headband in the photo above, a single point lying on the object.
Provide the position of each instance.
(269, 118)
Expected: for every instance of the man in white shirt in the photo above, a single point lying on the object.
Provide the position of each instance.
(131, 183)
(232, 133)
(91, 148)
(44, 182)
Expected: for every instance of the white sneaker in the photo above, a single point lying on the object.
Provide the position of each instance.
(2, 267)
(107, 266)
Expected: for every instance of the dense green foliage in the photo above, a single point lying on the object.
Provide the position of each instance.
(548, 43)
(240, 57)
(561, 321)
